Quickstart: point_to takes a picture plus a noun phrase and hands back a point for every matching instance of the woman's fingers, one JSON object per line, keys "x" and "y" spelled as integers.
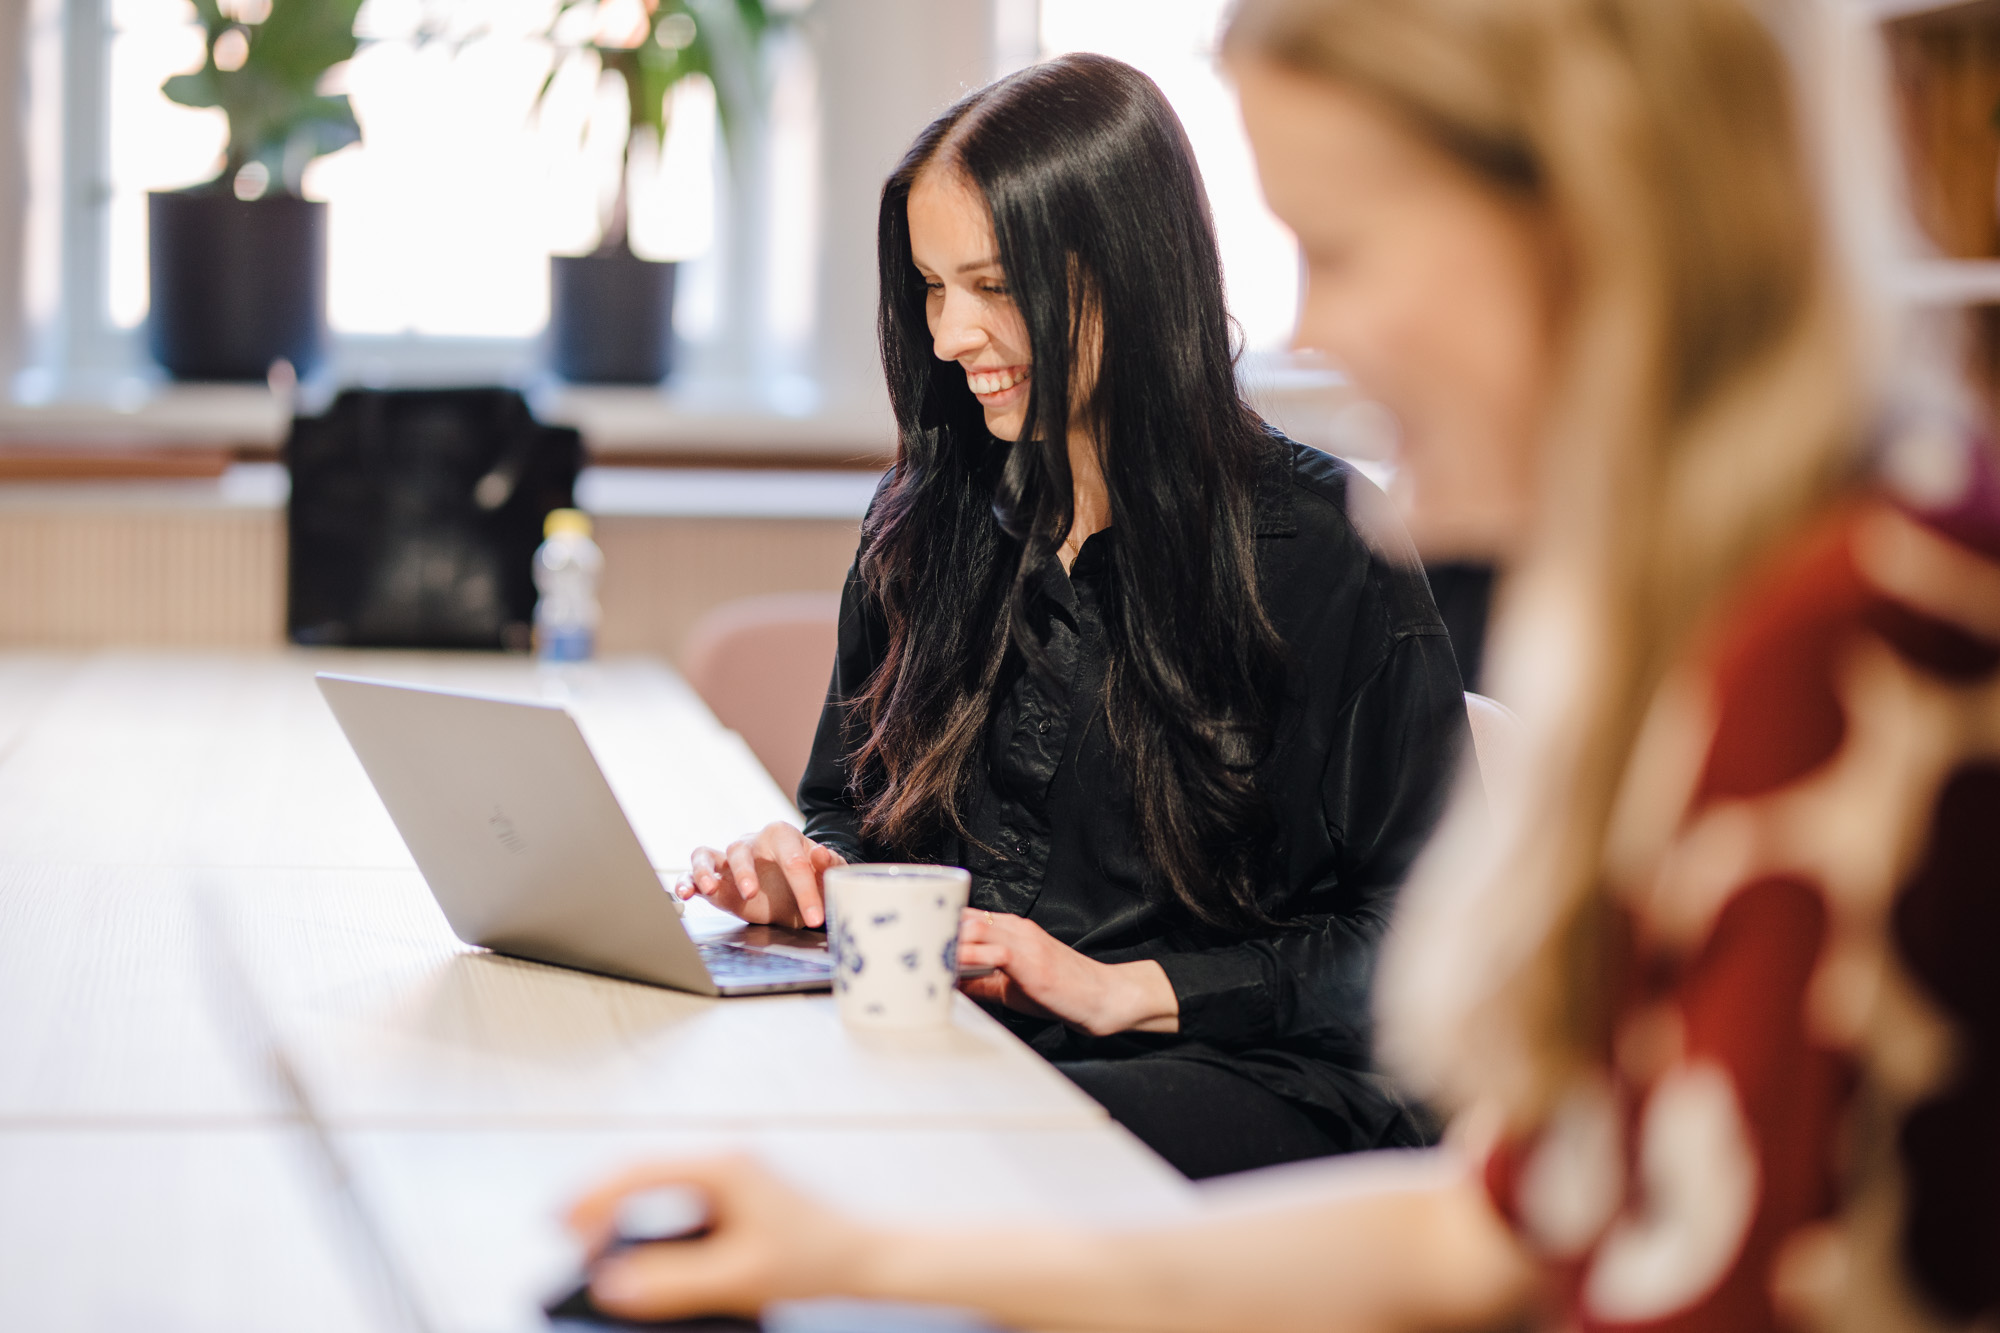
{"x": 805, "y": 891}
{"x": 807, "y": 887}
{"x": 590, "y": 1217}
{"x": 708, "y": 875}
{"x": 660, "y": 1282}
{"x": 743, "y": 869}
{"x": 1001, "y": 989}
{"x": 700, "y": 877}
{"x": 790, "y": 851}
{"x": 767, "y": 877}
{"x": 977, "y": 926}
{"x": 718, "y": 888}
{"x": 1007, "y": 943}
{"x": 992, "y": 986}
{"x": 701, "y": 869}
{"x": 984, "y": 955}
{"x": 764, "y": 1241}
{"x": 1038, "y": 974}
{"x": 674, "y": 1278}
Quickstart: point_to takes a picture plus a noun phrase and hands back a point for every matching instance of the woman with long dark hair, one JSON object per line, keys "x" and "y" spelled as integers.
{"x": 1714, "y": 1000}
{"x": 1170, "y": 686}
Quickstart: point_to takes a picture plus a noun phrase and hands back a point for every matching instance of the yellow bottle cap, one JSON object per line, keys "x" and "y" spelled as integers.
{"x": 566, "y": 523}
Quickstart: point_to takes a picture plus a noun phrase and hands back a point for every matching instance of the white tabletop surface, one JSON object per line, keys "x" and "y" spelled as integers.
{"x": 249, "y": 1079}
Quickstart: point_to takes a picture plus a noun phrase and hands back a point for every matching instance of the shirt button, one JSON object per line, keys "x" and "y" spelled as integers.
{"x": 1043, "y": 726}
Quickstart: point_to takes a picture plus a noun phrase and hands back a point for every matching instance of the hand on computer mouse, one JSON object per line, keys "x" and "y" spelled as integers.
{"x": 762, "y": 1241}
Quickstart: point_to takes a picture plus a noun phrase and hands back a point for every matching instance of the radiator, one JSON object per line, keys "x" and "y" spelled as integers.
{"x": 203, "y": 576}
{"x": 77, "y": 576}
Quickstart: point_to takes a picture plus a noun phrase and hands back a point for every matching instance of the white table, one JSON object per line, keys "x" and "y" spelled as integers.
{"x": 248, "y": 1078}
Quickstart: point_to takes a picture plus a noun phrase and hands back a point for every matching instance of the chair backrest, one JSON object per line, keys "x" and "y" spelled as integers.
{"x": 415, "y": 514}
{"x": 762, "y": 665}
{"x": 1496, "y": 740}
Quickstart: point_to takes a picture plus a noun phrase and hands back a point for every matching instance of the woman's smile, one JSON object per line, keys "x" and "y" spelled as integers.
{"x": 997, "y": 387}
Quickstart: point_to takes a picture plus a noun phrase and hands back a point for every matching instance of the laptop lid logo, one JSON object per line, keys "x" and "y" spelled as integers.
{"x": 503, "y": 832}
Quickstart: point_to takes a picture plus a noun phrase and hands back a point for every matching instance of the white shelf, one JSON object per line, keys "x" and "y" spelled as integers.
{"x": 608, "y": 492}
{"x": 1884, "y": 11}
{"x": 1947, "y": 282}
{"x": 262, "y": 487}
{"x": 711, "y": 424}
{"x": 644, "y": 492}
{"x": 744, "y": 424}
{"x": 141, "y": 413}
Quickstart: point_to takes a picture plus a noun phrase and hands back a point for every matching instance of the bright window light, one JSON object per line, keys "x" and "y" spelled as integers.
{"x": 155, "y": 144}
{"x": 443, "y": 218}
{"x": 1174, "y": 42}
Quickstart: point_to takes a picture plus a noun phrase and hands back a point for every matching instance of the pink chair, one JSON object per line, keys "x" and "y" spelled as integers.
{"x": 762, "y": 664}
{"x": 1496, "y": 739}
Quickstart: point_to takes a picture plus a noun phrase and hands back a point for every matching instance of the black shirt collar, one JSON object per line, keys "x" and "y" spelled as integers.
{"x": 1275, "y": 517}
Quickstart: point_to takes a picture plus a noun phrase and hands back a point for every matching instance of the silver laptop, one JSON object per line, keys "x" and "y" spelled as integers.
{"x": 526, "y": 849}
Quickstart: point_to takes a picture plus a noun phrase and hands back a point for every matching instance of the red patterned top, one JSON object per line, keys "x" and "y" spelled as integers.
{"x": 1796, "y": 1119}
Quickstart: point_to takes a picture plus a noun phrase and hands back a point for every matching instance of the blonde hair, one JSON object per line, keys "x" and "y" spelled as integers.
{"x": 1706, "y": 410}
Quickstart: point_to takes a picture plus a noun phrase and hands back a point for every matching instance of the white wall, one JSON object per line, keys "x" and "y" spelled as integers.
{"x": 886, "y": 69}
{"x": 13, "y": 181}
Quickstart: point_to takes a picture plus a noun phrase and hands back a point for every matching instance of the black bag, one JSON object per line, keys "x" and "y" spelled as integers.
{"x": 415, "y": 515}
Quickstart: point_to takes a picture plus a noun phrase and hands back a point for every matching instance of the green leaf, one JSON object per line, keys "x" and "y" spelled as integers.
{"x": 658, "y": 71}
{"x": 193, "y": 89}
{"x": 727, "y": 49}
{"x": 276, "y": 114}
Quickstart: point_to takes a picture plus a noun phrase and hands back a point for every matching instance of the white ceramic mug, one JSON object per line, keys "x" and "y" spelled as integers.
{"x": 893, "y": 931}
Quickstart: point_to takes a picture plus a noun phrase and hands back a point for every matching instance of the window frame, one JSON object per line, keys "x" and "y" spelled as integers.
{"x": 82, "y": 353}
{"x": 78, "y": 377}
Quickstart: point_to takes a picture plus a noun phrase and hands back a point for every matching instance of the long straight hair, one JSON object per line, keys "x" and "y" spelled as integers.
{"x": 1104, "y": 235}
{"x": 1708, "y": 410}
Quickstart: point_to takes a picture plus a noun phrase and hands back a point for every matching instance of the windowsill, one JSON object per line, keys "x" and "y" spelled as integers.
{"x": 256, "y": 487}
{"x": 136, "y": 414}
{"x": 619, "y": 425}
{"x": 606, "y": 492}
{"x": 696, "y": 424}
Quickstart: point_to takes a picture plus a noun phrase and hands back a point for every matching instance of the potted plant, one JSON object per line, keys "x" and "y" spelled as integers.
{"x": 239, "y": 262}
{"x": 610, "y": 311}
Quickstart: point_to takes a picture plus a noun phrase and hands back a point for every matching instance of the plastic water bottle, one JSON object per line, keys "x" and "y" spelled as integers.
{"x": 566, "y": 570}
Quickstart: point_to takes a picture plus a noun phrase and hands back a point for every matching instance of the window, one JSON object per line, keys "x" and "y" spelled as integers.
{"x": 1174, "y": 42}
{"x": 443, "y": 218}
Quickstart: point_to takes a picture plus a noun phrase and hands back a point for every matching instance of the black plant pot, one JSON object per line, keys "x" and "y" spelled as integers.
{"x": 236, "y": 284}
{"x": 611, "y": 318}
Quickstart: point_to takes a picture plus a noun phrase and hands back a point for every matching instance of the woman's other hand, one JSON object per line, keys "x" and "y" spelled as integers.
{"x": 1039, "y": 974}
{"x": 765, "y": 1242}
{"x": 1409, "y": 1240}
{"x": 770, "y": 877}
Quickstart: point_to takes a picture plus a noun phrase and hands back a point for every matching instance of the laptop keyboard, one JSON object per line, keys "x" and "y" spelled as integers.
{"x": 735, "y": 961}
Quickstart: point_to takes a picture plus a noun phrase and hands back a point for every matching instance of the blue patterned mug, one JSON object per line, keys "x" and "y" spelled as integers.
{"x": 893, "y": 931}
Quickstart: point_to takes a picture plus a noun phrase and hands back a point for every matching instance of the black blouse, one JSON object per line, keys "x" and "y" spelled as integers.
{"x": 1366, "y": 746}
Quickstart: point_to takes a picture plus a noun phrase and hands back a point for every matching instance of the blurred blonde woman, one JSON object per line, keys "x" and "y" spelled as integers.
{"x": 1713, "y": 996}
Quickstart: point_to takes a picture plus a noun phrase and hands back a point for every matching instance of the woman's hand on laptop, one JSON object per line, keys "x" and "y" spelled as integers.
{"x": 770, "y": 877}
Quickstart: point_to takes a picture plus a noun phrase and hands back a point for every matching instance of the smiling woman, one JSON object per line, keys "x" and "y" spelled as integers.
{"x": 1168, "y": 685}
{"x": 1710, "y": 979}
{"x": 972, "y": 320}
